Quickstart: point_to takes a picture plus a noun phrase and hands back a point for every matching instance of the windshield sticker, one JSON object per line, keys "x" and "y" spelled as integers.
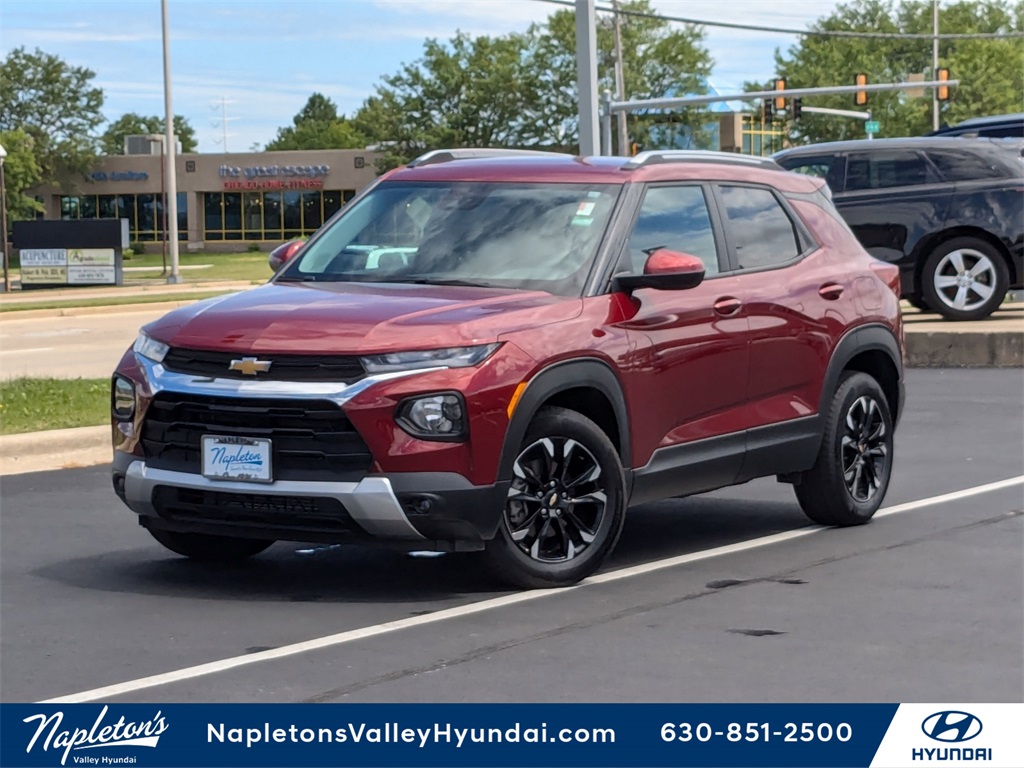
{"x": 582, "y": 221}
{"x": 586, "y": 209}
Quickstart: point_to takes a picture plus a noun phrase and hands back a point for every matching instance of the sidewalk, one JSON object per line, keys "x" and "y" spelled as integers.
{"x": 157, "y": 288}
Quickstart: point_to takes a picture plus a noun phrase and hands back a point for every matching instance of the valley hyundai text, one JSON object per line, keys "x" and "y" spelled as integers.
{"x": 503, "y": 351}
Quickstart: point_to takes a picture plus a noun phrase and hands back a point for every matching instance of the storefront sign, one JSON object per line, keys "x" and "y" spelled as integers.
{"x": 119, "y": 176}
{"x": 257, "y": 184}
{"x": 43, "y": 275}
{"x": 69, "y": 266}
{"x": 273, "y": 171}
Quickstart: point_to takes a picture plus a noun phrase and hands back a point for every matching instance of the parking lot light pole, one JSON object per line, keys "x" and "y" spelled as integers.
{"x": 170, "y": 156}
{"x": 3, "y": 222}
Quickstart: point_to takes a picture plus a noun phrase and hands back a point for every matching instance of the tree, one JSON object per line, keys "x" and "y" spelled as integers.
{"x": 991, "y": 71}
{"x": 132, "y": 124}
{"x": 21, "y": 171}
{"x": 318, "y": 126}
{"x": 57, "y": 106}
{"x": 659, "y": 61}
{"x": 520, "y": 90}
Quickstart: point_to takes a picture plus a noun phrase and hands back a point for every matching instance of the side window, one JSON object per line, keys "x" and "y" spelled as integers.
{"x": 676, "y": 218}
{"x": 759, "y": 228}
{"x": 827, "y": 167}
{"x": 964, "y": 166}
{"x": 888, "y": 169}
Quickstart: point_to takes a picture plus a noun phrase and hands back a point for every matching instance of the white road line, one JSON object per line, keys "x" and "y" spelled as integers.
{"x": 20, "y": 351}
{"x": 350, "y": 636}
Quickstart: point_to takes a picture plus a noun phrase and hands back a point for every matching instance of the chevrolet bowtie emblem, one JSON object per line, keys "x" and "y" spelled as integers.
{"x": 250, "y": 366}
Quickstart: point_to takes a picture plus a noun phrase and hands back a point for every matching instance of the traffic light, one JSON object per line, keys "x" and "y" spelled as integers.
{"x": 767, "y": 112}
{"x": 780, "y": 101}
{"x": 942, "y": 92}
{"x": 860, "y": 98}
{"x": 797, "y": 109}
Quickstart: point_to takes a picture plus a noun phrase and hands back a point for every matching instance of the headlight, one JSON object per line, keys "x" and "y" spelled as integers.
{"x": 434, "y": 417}
{"x": 453, "y": 357}
{"x": 122, "y": 398}
{"x": 150, "y": 348}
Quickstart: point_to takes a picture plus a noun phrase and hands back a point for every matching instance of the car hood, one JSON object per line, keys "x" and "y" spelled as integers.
{"x": 357, "y": 318}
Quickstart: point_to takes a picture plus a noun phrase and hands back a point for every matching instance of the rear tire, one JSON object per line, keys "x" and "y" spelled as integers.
{"x": 566, "y": 505}
{"x": 210, "y": 549}
{"x": 849, "y": 479}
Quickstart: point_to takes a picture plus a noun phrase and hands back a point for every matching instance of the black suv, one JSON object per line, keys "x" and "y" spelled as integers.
{"x": 948, "y": 211}
{"x": 994, "y": 127}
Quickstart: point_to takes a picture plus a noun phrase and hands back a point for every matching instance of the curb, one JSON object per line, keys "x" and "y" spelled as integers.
{"x": 106, "y": 309}
{"x": 54, "y": 449}
{"x": 948, "y": 349}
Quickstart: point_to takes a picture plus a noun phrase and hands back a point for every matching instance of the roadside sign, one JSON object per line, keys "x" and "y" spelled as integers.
{"x": 872, "y": 126}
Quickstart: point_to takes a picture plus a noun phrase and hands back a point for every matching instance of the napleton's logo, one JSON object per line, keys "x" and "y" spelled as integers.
{"x": 145, "y": 733}
{"x": 250, "y": 366}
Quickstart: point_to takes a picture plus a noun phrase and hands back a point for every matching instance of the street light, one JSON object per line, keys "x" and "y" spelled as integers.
{"x": 3, "y": 222}
{"x": 169, "y": 154}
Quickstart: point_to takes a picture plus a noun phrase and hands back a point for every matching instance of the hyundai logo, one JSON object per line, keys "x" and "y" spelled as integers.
{"x": 951, "y": 726}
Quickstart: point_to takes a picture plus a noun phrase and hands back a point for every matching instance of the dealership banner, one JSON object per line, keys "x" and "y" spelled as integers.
{"x": 793, "y": 735}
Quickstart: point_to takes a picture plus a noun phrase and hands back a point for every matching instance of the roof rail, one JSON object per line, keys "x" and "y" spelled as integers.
{"x": 447, "y": 155}
{"x": 656, "y": 156}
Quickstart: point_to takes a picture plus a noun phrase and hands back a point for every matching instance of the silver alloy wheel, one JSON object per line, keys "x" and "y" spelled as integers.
{"x": 557, "y": 500}
{"x": 965, "y": 279}
{"x": 864, "y": 448}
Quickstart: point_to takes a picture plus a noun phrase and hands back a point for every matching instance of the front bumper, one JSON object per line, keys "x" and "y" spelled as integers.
{"x": 427, "y": 510}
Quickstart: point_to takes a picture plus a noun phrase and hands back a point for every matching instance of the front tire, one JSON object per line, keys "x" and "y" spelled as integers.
{"x": 565, "y": 507}
{"x": 849, "y": 479}
{"x": 209, "y": 549}
{"x": 964, "y": 279}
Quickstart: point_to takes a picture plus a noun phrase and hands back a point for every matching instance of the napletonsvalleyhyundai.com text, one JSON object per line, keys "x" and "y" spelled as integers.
{"x": 394, "y": 733}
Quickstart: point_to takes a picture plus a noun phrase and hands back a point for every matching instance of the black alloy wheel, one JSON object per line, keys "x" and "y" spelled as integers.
{"x": 565, "y": 506}
{"x": 850, "y": 476}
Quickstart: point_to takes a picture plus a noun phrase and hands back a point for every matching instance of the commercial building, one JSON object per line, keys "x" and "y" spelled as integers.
{"x": 225, "y": 201}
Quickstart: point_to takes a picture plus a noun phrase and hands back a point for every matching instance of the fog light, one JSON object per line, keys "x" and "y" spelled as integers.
{"x": 434, "y": 417}
{"x": 122, "y": 398}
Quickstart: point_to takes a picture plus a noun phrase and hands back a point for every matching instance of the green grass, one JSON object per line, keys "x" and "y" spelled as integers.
{"x": 34, "y": 405}
{"x": 111, "y": 301}
{"x": 223, "y": 266}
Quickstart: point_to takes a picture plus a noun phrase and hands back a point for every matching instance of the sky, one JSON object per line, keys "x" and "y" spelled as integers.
{"x": 258, "y": 61}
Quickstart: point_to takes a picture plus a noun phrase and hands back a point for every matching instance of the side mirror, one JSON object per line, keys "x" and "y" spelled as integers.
{"x": 665, "y": 270}
{"x": 281, "y": 255}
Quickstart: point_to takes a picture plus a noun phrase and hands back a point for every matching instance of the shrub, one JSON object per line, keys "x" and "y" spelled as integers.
{"x": 137, "y": 248}
{"x": 253, "y": 248}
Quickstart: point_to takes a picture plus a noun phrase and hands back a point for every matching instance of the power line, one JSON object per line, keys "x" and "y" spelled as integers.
{"x": 808, "y": 32}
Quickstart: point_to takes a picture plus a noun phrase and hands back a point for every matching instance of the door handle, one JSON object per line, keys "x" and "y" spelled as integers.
{"x": 830, "y": 291}
{"x": 727, "y": 305}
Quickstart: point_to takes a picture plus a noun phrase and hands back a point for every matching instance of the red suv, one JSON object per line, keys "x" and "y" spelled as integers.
{"x": 503, "y": 351}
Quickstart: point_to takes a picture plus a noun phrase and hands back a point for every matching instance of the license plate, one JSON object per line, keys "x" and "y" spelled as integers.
{"x": 237, "y": 458}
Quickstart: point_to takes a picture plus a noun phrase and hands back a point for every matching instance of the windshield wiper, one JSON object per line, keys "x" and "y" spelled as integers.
{"x": 445, "y": 281}
{"x": 296, "y": 279}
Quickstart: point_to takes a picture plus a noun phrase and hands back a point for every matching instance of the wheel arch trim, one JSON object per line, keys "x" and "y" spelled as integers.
{"x": 863, "y": 338}
{"x": 590, "y": 373}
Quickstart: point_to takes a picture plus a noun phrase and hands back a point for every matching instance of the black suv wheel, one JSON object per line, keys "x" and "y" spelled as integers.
{"x": 964, "y": 279}
{"x": 849, "y": 479}
{"x": 565, "y": 507}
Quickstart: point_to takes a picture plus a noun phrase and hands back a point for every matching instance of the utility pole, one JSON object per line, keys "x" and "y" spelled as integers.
{"x": 170, "y": 155}
{"x": 586, "y": 75}
{"x": 620, "y": 81}
{"x": 935, "y": 63}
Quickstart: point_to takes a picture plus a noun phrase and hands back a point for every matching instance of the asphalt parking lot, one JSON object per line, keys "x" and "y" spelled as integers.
{"x": 723, "y": 597}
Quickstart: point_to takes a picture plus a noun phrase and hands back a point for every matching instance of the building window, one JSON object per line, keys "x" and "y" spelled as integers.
{"x": 269, "y": 216}
{"x": 145, "y": 213}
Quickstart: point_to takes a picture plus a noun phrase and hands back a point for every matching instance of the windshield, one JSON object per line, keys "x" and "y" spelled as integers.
{"x": 521, "y": 236}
